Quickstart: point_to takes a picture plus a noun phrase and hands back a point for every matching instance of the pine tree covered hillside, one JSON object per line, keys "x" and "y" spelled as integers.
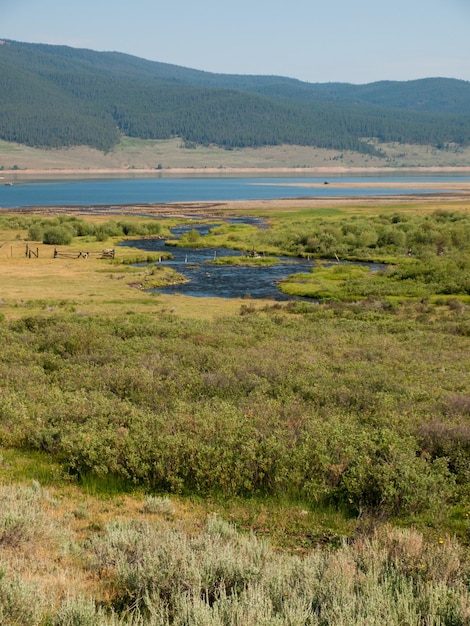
{"x": 57, "y": 96}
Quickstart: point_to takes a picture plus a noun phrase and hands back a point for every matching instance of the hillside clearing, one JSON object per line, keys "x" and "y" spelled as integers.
{"x": 135, "y": 155}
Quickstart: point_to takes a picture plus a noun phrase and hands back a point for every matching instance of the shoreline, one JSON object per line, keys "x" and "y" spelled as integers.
{"x": 214, "y": 209}
{"x": 451, "y": 192}
{"x": 17, "y": 174}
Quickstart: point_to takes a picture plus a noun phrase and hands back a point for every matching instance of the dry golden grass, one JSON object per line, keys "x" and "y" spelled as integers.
{"x": 132, "y": 155}
{"x": 46, "y": 280}
{"x": 88, "y": 286}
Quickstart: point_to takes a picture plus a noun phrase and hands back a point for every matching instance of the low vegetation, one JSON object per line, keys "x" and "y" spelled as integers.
{"x": 149, "y": 572}
{"x": 62, "y": 230}
{"x": 248, "y": 260}
{"x": 297, "y": 463}
{"x": 254, "y": 405}
{"x": 133, "y": 155}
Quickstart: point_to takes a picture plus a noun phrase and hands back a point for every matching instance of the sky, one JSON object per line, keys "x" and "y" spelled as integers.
{"x": 359, "y": 41}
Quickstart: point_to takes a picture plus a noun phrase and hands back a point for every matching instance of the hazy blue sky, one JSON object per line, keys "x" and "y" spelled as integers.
{"x": 336, "y": 40}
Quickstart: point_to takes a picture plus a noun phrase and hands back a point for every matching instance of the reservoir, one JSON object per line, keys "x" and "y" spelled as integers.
{"x": 160, "y": 190}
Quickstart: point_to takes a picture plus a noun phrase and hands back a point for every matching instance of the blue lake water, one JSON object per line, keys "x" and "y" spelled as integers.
{"x": 158, "y": 190}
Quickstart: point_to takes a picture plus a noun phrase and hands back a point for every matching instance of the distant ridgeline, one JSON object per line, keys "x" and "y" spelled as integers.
{"x": 56, "y": 96}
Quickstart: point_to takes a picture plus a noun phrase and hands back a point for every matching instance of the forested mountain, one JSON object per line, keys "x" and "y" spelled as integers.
{"x": 60, "y": 96}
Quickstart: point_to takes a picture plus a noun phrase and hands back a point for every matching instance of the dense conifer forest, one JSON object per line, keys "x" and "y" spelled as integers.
{"x": 57, "y": 96}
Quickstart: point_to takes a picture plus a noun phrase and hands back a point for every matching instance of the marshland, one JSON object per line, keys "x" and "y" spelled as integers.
{"x": 167, "y": 459}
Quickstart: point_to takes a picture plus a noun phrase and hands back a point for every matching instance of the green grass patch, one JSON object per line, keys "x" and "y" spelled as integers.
{"x": 22, "y": 466}
{"x": 249, "y": 261}
{"x": 142, "y": 259}
{"x": 107, "y": 485}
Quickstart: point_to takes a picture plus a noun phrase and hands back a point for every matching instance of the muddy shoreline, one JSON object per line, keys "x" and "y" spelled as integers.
{"x": 220, "y": 209}
{"x": 59, "y": 173}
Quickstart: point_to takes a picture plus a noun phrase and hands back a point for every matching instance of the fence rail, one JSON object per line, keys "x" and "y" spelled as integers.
{"x": 107, "y": 253}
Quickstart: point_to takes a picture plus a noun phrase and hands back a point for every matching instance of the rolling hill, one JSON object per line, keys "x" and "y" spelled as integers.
{"x": 56, "y": 96}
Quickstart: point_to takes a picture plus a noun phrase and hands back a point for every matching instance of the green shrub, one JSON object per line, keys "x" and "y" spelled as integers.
{"x": 57, "y": 236}
{"x": 83, "y": 229}
{"x": 77, "y": 611}
{"x": 36, "y": 232}
{"x": 20, "y": 604}
{"x": 387, "y": 477}
{"x": 450, "y": 441}
{"x": 160, "y": 505}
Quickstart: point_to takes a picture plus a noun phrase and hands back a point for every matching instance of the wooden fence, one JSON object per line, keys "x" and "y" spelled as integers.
{"x": 31, "y": 253}
{"x": 107, "y": 253}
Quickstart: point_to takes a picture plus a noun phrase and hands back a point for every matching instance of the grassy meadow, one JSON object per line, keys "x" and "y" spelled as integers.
{"x": 173, "y": 460}
{"x": 133, "y": 154}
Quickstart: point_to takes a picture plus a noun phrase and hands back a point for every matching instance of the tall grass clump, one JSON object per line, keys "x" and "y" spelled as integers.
{"x": 78, "y": 611}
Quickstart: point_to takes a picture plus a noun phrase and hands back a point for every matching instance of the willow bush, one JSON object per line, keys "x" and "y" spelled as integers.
{"x": 330, "y": 405}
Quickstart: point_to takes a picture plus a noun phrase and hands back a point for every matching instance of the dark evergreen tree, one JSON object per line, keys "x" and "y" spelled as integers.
{"x": 58, "y": 96}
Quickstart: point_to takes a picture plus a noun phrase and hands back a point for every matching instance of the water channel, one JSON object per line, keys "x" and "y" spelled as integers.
{"x": 222, "y": 281}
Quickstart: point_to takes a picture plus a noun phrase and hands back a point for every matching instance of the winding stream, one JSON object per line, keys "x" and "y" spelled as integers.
{"x": 222, "y": 281}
